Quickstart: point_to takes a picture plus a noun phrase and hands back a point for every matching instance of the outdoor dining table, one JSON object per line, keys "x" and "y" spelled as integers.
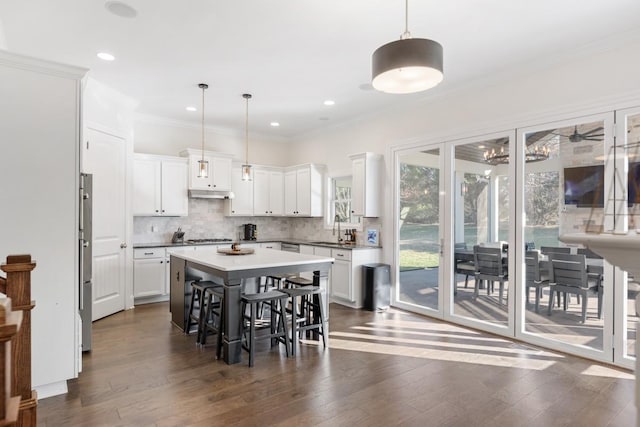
{"x": 232, "y": 270}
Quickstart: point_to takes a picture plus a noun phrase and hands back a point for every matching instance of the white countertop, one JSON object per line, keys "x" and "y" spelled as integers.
{"x": 261, "y": 258}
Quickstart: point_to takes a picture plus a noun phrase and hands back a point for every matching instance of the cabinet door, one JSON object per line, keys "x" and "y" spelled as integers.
{"x": 148, "y": 277}
{"x": 221, "y": 173}
{"x": 341, "y": 280}
{"x": 261, "y": 192}
{"x": 276, "y": 193}
{"x": 358, "y": 187}
{"x": 303, "y": 191}
{"x": 196, "y": 183}
{"x": 242, "y": 203}
{"x": 290, "y": 193}
{"x": 146, "y": 187}
{"x": 175, "y": 198}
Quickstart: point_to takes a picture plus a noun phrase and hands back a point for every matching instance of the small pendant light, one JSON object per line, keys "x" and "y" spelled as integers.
{"x": 246, "y": 168}
{"x": 407, "y": 65}
{"x": 203, "y": 165}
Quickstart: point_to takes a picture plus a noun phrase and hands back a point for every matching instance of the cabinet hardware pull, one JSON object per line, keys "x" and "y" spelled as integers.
{"x": 160, "y": 262}
{"x": 148, "y": 253}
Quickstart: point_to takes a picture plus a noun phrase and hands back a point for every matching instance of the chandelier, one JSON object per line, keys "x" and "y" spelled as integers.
{"x": 501, "y": 157}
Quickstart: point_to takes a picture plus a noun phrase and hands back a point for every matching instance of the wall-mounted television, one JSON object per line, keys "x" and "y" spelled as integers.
{"x": 584, "y": 186}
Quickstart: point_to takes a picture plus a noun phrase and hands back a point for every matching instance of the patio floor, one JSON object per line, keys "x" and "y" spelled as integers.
{"x": 420, "y": 287}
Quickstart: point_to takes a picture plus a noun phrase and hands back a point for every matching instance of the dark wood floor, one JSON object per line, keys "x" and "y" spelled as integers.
{"x": 381, "y": 369}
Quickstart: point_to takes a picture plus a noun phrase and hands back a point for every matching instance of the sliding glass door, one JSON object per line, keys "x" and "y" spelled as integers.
{"x": 419, "y": 231}
{"x": 481, "y": 291}
{"x": 566, "y": 290}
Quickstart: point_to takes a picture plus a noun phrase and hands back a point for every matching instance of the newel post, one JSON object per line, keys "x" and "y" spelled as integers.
{"x": 18, "y": 287}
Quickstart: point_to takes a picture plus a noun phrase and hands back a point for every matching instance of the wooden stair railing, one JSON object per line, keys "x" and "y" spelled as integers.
{"x": 9, "y": 326}
{"x": 17, "y": 287}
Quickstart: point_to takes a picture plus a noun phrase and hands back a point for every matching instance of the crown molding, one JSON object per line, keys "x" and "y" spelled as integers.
{"x": 41, "y": 66}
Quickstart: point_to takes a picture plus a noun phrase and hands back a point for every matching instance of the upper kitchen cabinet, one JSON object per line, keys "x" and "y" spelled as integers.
{"x": 303, "y": 191}
{"x": 242, "y": 202}
{"x": 219, "y": 177}
{"x": 268, "y": 192}
{"x": 160, "y": 186}
{"x": 366, "y": 190}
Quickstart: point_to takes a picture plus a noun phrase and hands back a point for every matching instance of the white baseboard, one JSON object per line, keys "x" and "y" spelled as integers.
{"x": 53, "y": 389}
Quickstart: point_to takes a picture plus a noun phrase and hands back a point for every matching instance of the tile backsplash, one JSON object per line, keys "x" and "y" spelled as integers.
{"x": 207, "y": 220}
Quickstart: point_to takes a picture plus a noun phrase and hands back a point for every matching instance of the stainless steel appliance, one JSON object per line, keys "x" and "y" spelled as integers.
{"x": 250, "y": 232}
{"x": 178, "y": 236}
{"x": 85, "y": 236}
{"x": 290, "y": 247}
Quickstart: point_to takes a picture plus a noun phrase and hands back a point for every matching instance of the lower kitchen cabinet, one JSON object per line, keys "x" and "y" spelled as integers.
{"x": 149, "y": 272}
{"x": 346, "y": 275}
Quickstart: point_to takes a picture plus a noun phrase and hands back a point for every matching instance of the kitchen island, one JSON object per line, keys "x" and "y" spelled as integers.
{"x": 233, "y": 270}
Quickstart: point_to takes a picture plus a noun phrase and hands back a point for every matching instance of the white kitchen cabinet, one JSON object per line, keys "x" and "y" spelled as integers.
{"x": 303, "y": 189}
{"x": 346, "y": 275}
{"x": 366, "y": 187}
{"x": 242, "y": 202}
{"x": 268, "y": 196}
{"x": 149, "y": 272}
{"x": 219, "y": 177}
{"x": 160, "y": 186}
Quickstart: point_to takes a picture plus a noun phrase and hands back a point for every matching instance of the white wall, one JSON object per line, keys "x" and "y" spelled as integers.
{"x": 39, "y": 165}
{"x": 154, "y": 135}
{"x": 593, "y": 81}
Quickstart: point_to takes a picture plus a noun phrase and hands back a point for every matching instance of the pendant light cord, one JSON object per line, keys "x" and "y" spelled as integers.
{"x": 406, "y": 34}
{"x": 246, "y": 131}
{"x": 203, "y": 86}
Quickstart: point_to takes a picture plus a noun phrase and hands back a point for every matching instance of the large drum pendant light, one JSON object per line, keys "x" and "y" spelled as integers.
{"x": 407, "y": 65}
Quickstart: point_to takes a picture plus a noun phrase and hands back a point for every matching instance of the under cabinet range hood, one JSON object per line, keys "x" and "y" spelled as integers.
{"x": 211, "y": 194}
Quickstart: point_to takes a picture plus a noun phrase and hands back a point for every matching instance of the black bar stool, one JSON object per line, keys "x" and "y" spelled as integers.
{"x": 297, "y": 281}
{"x": 197, "y": 306}
{"x": 214, "y": 316}
{"x": 311, "y": 313}
{"x": 278, "y": 324}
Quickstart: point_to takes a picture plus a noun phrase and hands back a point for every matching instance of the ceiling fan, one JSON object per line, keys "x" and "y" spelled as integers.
{"x": 590, "y": 135}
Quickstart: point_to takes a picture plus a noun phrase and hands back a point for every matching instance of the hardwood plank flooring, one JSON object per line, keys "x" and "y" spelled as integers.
{"x": 381, "y": 369}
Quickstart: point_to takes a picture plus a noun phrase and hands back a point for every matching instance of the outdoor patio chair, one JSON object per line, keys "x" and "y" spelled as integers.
{"x": 534, "y": 278}
{"x": 568, "y": 274}
{"x": 463, "y": 266}
{"x": 489, "y": 266}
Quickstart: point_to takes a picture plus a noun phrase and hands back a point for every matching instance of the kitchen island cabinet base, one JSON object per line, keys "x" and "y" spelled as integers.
{"x": 232, "y": 272}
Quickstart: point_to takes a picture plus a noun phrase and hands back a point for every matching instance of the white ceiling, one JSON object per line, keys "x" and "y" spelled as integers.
{"x": 294, "y": 54}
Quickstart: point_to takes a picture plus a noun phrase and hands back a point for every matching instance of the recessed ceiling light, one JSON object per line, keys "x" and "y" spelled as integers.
{"x": 329, "y": 102}
{"x": 275, "y": 124}
{"x": 120, "y": 9}
{"x": 481, "y": 147}
{"x": 190, "y": 108}
{"x": 106, "y": 56}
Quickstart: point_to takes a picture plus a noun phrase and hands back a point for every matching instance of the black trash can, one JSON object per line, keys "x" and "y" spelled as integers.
{"x": 376, "y": 283}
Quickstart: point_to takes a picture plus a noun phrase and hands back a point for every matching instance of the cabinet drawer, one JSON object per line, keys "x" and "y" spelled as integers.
{"x": 142, "y": 253}
{"x": 341, "y": 254}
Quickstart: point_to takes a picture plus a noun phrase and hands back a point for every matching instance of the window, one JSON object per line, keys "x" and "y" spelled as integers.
{"x": 340, "y": 201}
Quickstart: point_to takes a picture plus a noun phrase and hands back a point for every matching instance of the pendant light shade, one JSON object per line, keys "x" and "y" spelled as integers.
{"x": 203, "y": 165}
{"x": 407, "y": 65}
{"x": 246, "y": 168}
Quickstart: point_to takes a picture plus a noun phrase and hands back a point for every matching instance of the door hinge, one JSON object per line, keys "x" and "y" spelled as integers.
{"x": 87, "y": 144}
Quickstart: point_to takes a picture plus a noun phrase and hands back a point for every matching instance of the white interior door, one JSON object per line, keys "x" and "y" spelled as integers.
{"x": 105, "y": 158}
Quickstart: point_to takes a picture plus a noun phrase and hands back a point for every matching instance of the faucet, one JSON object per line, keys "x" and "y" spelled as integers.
{"x": 336, "y": 219}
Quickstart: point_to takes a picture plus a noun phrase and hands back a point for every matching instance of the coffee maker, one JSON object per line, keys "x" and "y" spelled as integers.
{"x": 250, "y": 232}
